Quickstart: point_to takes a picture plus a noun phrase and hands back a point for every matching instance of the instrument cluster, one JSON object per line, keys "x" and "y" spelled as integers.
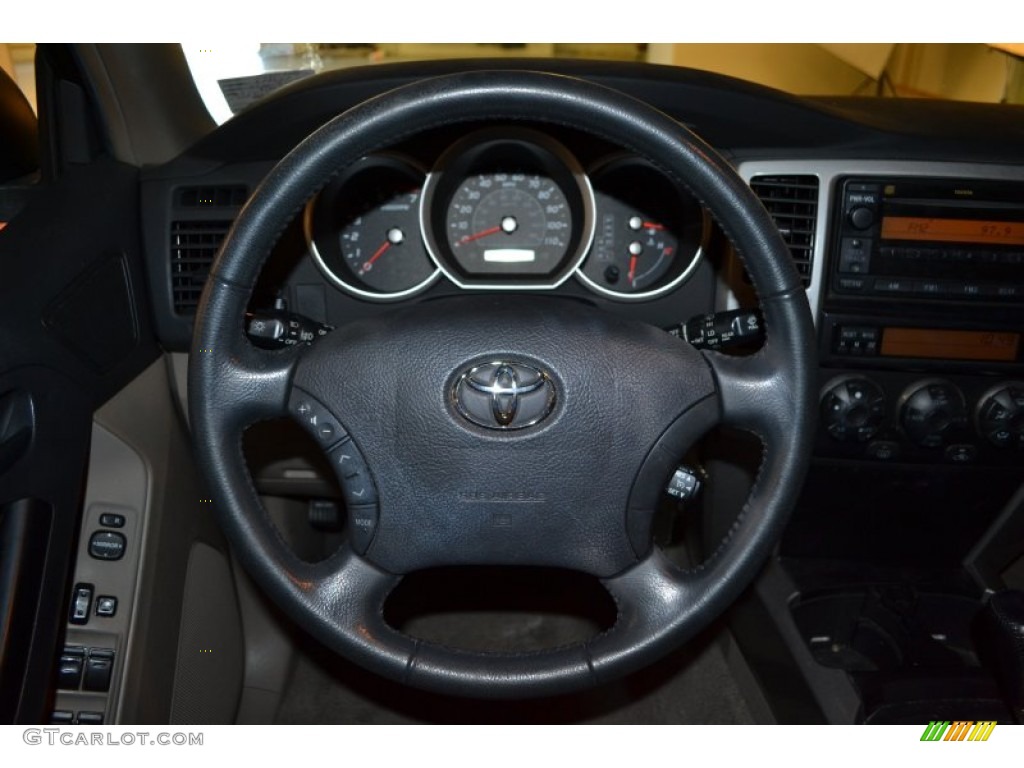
{"x": 505, "y": 209}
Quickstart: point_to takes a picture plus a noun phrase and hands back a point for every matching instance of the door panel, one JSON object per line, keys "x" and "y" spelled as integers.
{"x": 74, "y": 329}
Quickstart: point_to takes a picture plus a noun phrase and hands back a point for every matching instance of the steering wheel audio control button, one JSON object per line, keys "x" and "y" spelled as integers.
{"x": 316, "y": 419}
{"x": 354, "y": 475}
{"x": 347, "y": 460}
{"x": 362, "y": 524}
{"x": 360, "y": 491}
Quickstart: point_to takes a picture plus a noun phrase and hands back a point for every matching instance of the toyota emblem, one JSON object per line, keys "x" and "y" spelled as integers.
{"x": 504, "y": 395}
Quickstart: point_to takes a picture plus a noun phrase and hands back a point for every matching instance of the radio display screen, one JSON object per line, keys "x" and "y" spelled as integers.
{"x": 953, "y": 230}
{"x": 950, "y": 345}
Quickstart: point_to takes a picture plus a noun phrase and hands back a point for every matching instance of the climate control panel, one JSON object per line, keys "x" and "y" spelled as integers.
{"x": 904, "y": 416}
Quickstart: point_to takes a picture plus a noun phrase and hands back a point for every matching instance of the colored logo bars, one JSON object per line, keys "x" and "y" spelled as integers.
{"x": 960, "y": 730}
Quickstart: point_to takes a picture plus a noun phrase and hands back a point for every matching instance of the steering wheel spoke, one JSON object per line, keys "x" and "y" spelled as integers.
{"x": 749, "y": 392}
{"x": 242, "y": 384}
{"x": 769, "y": 393}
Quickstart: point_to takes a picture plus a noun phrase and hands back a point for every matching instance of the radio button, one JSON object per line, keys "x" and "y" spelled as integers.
{"x": 930, "y": 287}
{"x": 854, "y": 255}
{"x": 989, "y": 289}
{"x": 855, "y": 340}
{"x": 894, "y": 285}
{"x": 851, "y": 283}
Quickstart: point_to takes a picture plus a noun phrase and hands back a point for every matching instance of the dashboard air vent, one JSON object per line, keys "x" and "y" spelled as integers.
{"x": 193, "y": 246}
{"x": 223, "y": 196}
{"x": 792, "y": 202}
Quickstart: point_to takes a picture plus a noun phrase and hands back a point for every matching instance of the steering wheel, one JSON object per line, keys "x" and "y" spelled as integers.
{"x": 613, "y": 404}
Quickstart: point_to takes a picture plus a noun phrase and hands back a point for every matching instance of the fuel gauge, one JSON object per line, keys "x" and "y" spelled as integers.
{"x": 648, "y": 232}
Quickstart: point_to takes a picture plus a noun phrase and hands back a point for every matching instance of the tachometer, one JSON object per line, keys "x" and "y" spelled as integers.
{"x": 364, "y": 230}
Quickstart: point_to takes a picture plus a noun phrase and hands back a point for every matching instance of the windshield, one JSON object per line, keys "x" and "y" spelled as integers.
{"x": 232, "y": 76}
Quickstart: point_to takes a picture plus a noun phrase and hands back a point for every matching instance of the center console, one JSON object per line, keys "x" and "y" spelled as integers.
{"x": 918, "y": 294}
{"x": 921, "y": 439}
{"x": 921, "y": 330}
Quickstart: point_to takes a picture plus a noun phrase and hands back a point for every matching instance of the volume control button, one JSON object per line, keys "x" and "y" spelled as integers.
{"x": 861, "y": 217}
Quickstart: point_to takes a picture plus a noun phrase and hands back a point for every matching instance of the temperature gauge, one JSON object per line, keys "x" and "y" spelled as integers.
{"x": 648, "y": 232}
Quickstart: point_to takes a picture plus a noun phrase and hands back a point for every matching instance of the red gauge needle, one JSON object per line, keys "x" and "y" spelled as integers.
{"x": 478, "y": 235}
{"x": 632, "y": 268}
{"x": 376, "y": 255}
{"x": 652, "y": 225}
{"x": 395, "y": 237}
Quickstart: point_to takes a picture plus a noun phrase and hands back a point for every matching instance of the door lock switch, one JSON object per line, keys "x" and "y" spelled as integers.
{"x": 81, "y": 603}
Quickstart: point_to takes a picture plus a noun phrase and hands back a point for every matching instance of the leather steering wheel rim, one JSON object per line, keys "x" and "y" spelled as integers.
{"x": 340, "y": 600}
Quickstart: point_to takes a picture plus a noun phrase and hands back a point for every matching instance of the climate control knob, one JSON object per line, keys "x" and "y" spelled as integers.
{"x": 932, "y": 411}
{"x": 852, "y": 408}
{"x": 1000, "y": 415}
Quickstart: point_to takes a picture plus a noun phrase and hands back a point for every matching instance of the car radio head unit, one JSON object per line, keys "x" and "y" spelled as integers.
{"x": 930, "y": 239}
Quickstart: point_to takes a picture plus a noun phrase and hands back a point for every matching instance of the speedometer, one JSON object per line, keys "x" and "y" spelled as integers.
{"x": 507, "y": 209}
{"x": 509, "y": 223}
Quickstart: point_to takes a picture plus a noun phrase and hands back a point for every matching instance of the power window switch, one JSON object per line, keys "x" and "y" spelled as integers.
{"x": 90, "y": 718}
{"x": 69, "y": 669}
{"x": 62, "y": 717}
{"x": 98, "y": 668}
{"x": 81, "y": 603}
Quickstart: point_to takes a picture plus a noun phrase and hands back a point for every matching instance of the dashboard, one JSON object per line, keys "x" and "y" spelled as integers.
{"x": 904, "y": 221}
{"x": 909, "y": 241}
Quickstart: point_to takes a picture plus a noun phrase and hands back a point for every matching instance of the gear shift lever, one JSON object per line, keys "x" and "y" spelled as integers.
{"x": 1001, "y": 641}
